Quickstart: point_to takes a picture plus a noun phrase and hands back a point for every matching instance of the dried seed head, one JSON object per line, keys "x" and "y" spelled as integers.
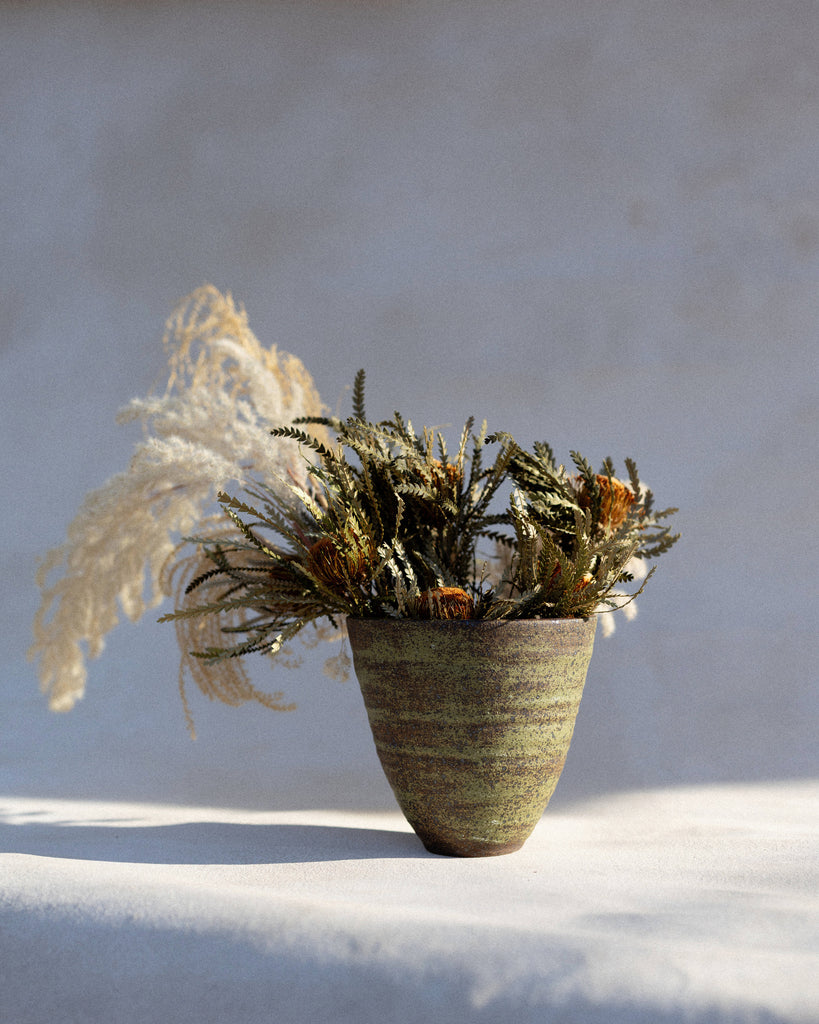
{"x": 581, "y": 584}
{"x": 446, "y": 476}
{"x": 616, "y": 500}
{"x": 443, "y": 603}
{"x": 336, "y": 569}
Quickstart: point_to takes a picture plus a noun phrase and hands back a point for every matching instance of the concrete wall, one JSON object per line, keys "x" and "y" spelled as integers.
{"x": 591, "y": 222}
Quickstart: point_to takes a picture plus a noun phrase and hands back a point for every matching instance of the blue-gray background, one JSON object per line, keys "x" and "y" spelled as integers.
{"x": 595, "y": 223}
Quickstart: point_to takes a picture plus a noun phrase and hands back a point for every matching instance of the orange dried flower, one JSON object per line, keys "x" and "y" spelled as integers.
{"x": 616, "y": 500}
{"x": 439, "y": 476}
{"x": 581, "y": 584}
{"x": 446, "y": 476}
{"x": 443, "y": 603}
{"x": 335, "y": 568}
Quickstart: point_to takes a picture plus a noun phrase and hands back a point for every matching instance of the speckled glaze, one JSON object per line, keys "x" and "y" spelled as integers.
{"x": 472, "y": 721}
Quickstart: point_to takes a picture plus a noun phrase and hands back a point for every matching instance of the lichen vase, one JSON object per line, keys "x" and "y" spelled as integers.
{"x": 472, "y": 721}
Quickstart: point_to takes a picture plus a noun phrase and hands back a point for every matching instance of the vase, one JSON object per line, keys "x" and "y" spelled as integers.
{"x": 472, "y": 721}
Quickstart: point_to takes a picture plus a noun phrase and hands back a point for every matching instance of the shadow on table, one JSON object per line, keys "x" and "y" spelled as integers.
{"x": 208, "y": 843}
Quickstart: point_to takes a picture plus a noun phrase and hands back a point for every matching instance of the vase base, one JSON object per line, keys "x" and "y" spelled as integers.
{"x": 468, "y": 847}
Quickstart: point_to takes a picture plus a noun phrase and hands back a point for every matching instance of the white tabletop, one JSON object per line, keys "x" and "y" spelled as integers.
{"x": 695, "y": 904}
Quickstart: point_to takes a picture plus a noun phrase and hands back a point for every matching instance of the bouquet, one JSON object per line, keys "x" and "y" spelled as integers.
{"x": 266, "y": 519}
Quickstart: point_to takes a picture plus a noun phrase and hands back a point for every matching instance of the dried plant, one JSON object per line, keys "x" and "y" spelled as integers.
{"x": 389, "y": 524}
{"x": 208, "y": 430}
{"x": 350, "y": 518}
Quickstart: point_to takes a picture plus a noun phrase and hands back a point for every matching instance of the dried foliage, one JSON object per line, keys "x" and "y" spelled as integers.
{"x": 208, "y": 430}
{"x": 388, "y": 523}
{"x": 348, "y": 517}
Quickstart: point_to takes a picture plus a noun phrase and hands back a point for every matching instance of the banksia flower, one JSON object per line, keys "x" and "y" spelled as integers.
{"x": 447, "y": 476}
{"x": 443, "y": 603}
{"x": 615, "y": 500}
{"x": 581, "y": 584}
{"x": 439, "y": 479}
{"x": 336, "y": 569}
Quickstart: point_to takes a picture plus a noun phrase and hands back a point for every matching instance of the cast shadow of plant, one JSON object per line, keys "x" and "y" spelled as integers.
{"x": 208, "y": 843}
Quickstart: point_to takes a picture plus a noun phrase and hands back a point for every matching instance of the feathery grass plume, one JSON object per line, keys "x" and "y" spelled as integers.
{"x": 209, "y": 429}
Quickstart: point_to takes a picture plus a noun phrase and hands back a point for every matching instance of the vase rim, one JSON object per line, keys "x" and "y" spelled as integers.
{"x": 569, "y": 622}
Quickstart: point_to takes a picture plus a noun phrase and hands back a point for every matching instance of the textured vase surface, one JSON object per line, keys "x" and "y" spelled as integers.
{"x": 472, "y": 721}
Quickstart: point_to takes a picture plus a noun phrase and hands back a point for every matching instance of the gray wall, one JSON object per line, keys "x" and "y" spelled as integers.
{"x": 591, "y": 222}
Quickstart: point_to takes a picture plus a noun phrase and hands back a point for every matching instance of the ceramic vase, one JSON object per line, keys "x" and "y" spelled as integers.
{"x": 472, "y": 721}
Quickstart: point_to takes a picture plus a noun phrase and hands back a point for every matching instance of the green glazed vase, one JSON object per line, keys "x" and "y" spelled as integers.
{"x": 472, "y": 721}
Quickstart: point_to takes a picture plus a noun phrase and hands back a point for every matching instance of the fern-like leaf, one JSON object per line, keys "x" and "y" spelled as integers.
{"x": 358, "y": 396}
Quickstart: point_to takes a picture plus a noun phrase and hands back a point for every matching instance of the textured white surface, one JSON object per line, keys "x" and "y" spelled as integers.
{"x": 693, "y": 904}
{"x": 590, "y": 221}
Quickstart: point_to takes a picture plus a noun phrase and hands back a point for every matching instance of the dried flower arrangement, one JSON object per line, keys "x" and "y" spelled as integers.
{"x": 354, "y": 518}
